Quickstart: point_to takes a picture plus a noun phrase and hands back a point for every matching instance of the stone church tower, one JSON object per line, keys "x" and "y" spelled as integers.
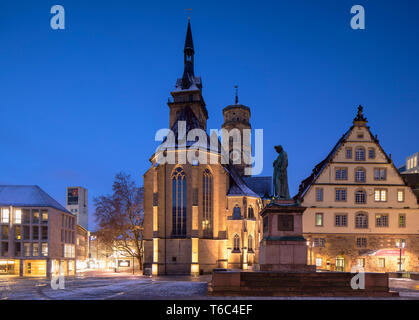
{"x": 236, "y": 121}
{"x": 201, "y": 215}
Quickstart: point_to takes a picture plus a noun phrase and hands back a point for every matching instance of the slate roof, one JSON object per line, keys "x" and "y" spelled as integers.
{"x": 260, "y": 185}
{"x": 27, "y": 196}
{"x": 318, "y": 169}
{"x": 237, "y": 185}
{"x": 192, "y": 122}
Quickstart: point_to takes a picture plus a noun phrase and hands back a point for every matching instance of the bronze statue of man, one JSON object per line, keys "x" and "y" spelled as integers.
{"x": 280, "y": 178}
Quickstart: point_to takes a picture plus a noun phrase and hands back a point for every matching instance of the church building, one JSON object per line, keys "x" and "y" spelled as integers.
{"x": 201, "y": 215}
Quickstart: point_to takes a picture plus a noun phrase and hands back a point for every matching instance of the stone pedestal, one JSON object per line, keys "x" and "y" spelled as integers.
{"x": 283, "y": 247}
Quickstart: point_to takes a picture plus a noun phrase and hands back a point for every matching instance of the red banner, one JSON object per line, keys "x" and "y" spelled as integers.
{"x": 388, "y": 252}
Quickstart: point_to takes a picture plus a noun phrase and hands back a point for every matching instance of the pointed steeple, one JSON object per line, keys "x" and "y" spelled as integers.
{"x": 188, "y": 73}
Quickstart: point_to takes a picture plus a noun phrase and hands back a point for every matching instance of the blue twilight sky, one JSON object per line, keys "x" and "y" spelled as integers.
{"x": 81, "y": 104}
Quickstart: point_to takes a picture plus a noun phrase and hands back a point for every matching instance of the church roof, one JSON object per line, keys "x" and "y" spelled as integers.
{"x": 238, "y": 186}
{"x": 260, "y": 185}
{"x": 27, "y": 196}
{"x": 187, "y": 117}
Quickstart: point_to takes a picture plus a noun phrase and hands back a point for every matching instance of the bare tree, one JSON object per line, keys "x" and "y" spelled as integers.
{"x": 120, "y": 217}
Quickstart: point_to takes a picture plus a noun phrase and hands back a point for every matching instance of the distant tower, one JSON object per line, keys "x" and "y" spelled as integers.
{"x": 77, "y": 204}
{"x": 237, "y": 116}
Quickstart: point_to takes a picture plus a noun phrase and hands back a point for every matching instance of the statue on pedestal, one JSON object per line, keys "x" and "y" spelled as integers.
{"x": 280, "y": 178}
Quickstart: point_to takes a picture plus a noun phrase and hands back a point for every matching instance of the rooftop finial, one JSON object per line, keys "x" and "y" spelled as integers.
{"x": 360, "y": 118}
{"x": 236, "y": 100}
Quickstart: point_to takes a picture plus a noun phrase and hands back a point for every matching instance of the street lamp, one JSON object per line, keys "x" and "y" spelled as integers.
{"x": 310, "y": 245}
{"x": 400, "y": 244}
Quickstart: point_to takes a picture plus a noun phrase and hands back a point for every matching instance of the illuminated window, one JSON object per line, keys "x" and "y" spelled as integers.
{"x": 360, "y": 154}
{"x": 361, "y": 262}
{"x": 380, "y": 195}
{"x": 360, "y": 196}
{"x": 207, "y": 202}
{"x": 18, "y": 232}
{"x": 18, "y": 216}
{"x": 402, "y": 221}
{"x": 35, "y": 216}
{"x": 44, "y": 247}
{"x": 5, "y": 215}
{"x": 400, "y": 195}
{"x": 179, "y": 202}
{"x": 361, "y": 221}
{"x": 319, "y": 262}
{"x": 319, "y": 219}
{"x": 360, "y": 175}
{"x": 44, "y": 216}
{"x": 319, "y": 194}
{"x": 381, "y": 262}
{"x": 381, "y": 220}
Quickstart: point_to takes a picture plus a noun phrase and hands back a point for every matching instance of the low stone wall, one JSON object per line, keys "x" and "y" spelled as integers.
{"x": 337, "y": 284}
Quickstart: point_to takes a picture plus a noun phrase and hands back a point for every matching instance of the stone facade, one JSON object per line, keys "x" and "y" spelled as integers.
{"x": 359, "y": 208}
{"x": 198, "y": 215}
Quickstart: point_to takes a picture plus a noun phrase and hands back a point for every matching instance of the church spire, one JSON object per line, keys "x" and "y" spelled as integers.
{"x": 188, "y": 73}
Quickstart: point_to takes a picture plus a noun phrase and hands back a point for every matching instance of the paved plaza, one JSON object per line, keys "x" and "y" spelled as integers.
{"x": 125, "y": 286}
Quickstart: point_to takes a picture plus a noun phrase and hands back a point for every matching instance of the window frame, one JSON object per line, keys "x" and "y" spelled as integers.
{"x": 319, "y": 214}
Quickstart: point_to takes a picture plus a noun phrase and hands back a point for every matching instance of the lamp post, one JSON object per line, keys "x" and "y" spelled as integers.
{"x": 310, "y": 245}
{"x": 400, "y": 244}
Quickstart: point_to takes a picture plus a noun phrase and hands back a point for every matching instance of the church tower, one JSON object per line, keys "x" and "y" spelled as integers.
{"x": 236, "y": 119}
{"x": 188, "y": 89}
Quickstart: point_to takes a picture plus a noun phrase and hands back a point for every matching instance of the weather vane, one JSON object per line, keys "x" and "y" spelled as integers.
{"x": 236, "y": 87}
{"x": 189, "y": 13}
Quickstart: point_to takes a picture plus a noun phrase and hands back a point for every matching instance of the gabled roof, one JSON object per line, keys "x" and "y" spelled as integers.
{"x": 27, "y": 196}
{"x": 318, "y": 169}
{"x": 359, "y": 120}
{"x": 237, "y": 185}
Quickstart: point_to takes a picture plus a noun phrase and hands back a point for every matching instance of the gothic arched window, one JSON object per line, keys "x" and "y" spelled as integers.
{"x": 250, "y": 213}
{"x": 361, "y": 221}
{"x": 178, "y": 202}
{"x": 250, "y": 243}
{"x": 207, "y": 202}
{"x": 236, "y": 245}
{"x": 236, "y": 212}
